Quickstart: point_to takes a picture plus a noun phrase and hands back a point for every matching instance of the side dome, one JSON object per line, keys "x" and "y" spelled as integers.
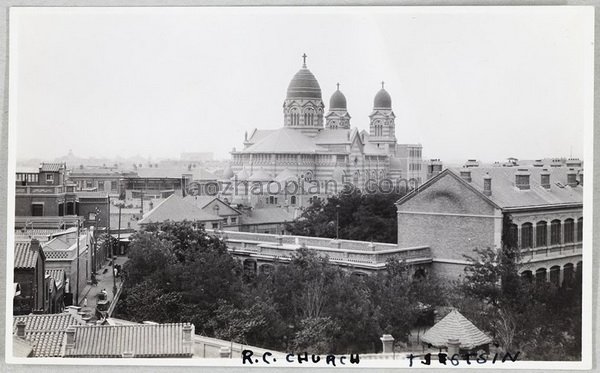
{"x": 304, "y": 85}
{"x": 383, "y": 100}
{"x": 337, "y": 101}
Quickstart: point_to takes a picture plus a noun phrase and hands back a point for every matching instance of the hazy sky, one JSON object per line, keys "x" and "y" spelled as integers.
{"x": 483, "y": 83}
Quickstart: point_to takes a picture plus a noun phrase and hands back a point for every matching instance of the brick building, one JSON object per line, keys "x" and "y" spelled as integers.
{"x": 461, "y": 209}
{"x": 30, "y": 279}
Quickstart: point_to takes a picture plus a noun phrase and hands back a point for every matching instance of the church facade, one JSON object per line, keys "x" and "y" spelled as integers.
{"x": 318, "y": 151}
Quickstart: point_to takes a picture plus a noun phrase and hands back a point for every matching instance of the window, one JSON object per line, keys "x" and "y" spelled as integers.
{"x": 113, "y": 185}
{"x": 233, "y": 220}
{"x": 89, "y": 184}
{"x": 49, "y": 178}
{"x": 215, "y": 225}
{"x": 569, "y": 228}
{"x": 37, "y": 209}
{"x": 293, "y": 200}
{"x": 101, "y": 186}
{"x": 61, "y": 209}
{"x": 526, "y": 235}
{"x": 271, "y": 200}
{"x": 512, "y": 236}
{"x": 541, "y": 232}
{"x": 70, "y": 210}
{"x": 555, "y": 232}
{"x": 580, "y": 230}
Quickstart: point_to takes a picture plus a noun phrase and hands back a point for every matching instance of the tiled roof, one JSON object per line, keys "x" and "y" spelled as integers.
{"x": 25, "y": 257}
{"x": 505, "y": 194}
{"x": 51, "y": 167}
{"x": 198, "y": 173}
{"x": 45, "y": 333}
{"x": 143, "y": 341}
{"x": 175, "y": 208}
{"x": 58, "y": 275}
{"x": 37, "y": 232}
{"x": 267, "y": 216}
{"x": 455, "y": 326}
{"x": 285, "y": 140}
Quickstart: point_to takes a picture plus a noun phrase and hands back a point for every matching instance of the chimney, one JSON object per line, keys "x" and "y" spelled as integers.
{"x": 581, "y": 177}
{"x": 572, "y": 178}
{"x": 74, "y": 311}
{"x": 35, "y": 245}
{"x": 70, "y": 332}
{"x": 453, "y": 347}
{"x": 127, "y": 354}
{"x": 188, "y": 330}
{"x": 545, "y": 178}
{"x": 466, "y": 175}
{"x": 388, "y": 343}
{"x": 21, "y": 329}
{"x": 522, "y": 179}
{"x": 487, "y": 184}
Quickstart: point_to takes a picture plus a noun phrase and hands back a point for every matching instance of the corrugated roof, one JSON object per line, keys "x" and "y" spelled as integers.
{"x": 455, "y": 326}
{"x": 45, "y": 333}
{"x": 25, "y": 257}
{"x": 143, "y": 341}
{"x": 175, "y": 208}
{"x": 506, "y": 195}
{"x": 51, "y": 167}
{"x": 284, "y": 141}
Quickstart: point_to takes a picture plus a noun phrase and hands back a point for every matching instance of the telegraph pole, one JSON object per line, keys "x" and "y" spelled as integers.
{"x": 77, "y": 283}
{"x": 118, "y": 246}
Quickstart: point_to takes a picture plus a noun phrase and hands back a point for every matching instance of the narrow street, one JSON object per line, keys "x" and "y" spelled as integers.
{"x": 105, "y": 282}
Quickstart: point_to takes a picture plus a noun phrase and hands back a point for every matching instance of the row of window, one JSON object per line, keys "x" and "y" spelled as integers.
{"x": 569, "y": 230}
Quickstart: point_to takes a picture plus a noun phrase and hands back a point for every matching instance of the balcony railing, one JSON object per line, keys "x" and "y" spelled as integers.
{"x": 40, "y": 189}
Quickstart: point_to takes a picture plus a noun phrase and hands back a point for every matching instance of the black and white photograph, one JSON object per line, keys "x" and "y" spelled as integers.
{"x": 285, "y": 187}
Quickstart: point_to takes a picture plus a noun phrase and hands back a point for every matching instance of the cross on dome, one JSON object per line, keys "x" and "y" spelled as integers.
{"x": 304, "y": 60}
{"x": 338, "y": 86}
{"x": 382, "y": 83}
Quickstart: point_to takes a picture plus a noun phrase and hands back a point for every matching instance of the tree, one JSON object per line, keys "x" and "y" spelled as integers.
{"x": 366, "y": 217}
{"x": 537, "y": 318}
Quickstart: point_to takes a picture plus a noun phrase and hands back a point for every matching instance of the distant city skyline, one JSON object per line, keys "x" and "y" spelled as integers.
{"x": 156, "y": 83}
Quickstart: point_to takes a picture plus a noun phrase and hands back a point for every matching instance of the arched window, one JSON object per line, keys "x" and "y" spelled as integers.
{"x": 569, "y": 228}
{"x": 293, "y": 200}
{"x": 555, "y": 275}
{"x": 526, "y": 235}
{"x": 555, "y": 232}
{"x": 541, "y": 233}
{"x": 540, "y": 275}
{"x": 580, "y": 230}
{"x": 355, "y": 179}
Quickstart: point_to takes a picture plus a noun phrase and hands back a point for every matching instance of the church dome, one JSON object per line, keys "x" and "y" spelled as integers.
{"x": 383, "y": 100}
{"x": 304, "y": 85}
{"x": 337, "y": 101}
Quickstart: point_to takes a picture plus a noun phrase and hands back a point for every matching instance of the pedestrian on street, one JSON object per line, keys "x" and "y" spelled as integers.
{"x": 85, "y": 302}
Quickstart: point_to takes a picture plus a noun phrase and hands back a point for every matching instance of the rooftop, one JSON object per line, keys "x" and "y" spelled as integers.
{"x": 175, "y": 208}
{"x": 455, "y": 326}
{"x": 140, "y": 340}
{"x": 25, "y": 256}
{"x": 45, "y": 333}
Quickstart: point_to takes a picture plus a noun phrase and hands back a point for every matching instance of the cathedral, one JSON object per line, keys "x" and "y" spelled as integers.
{"x": 317, "y": 147}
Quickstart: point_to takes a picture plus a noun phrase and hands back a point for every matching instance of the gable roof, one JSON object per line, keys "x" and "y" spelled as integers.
{"x": 25, "y": 256}
{"x": 333, "y": 136}
{"x": 285, "y": 140}
{"x": 433, "y": 180}
{"x": 203, "y": 201}
{"x": 142, "y": 340}
{"x": 455, "y": 326}
{"x": 258, "y": 135}
{"x": 45, "y": 333}
{"x": 175, "y": 208}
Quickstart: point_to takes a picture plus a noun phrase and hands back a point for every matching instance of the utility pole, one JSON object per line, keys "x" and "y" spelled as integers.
{"x": 118, "y": 246}
{"x": 337, "y": 222}
{"x": 77, "y": 283}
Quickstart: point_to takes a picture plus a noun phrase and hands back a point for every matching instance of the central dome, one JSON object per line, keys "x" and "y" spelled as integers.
{"x": 382, "y": 100}
{"x": 337, "y": 101}
{"x": 304, "y": 85}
